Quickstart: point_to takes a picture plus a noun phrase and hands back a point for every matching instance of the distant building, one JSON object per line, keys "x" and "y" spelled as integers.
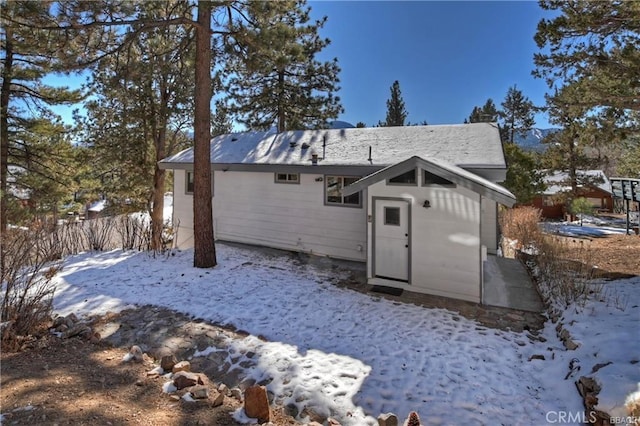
{"x": 598, "y": 192}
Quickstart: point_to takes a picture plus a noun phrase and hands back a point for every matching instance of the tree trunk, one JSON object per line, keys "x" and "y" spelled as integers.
{"x": 157, "y": 209}
{"x": 204, "y": 247}
{"x": 281, "y": 115}
{"x": 4, "y": 131}
{"x": 4, "y": 141}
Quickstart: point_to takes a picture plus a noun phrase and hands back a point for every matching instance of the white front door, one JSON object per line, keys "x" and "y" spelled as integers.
{"x": 391, "y": 239}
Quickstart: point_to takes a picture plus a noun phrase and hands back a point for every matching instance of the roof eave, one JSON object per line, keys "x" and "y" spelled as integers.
{"x": 404, "y": 166}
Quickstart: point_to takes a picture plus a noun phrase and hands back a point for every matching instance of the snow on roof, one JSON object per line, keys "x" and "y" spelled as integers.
{"x": 559, "y": 181}
{"x": 97, "y": 206}
{"x": 466, "y": 145}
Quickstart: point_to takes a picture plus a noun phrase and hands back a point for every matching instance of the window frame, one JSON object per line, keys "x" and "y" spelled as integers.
{"x": 445, "y": 185}
{"x": 415, "y": 171}
{"x": 186, "y": 182}
{"x": 341, "y": 204}
{"x": 388, "y": 209}
{"x": 287, "y": 180}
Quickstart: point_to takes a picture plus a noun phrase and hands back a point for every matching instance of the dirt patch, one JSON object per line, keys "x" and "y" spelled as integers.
{"x": 77, "y": 382}
{"x": 615, "y": 256}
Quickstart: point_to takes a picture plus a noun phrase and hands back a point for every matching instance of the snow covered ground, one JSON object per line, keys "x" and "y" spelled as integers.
{"x": 354, "y": 356}
{"x": 592, "y": 226}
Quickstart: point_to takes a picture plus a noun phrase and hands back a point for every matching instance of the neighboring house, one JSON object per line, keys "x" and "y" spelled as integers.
{"x": 418, "y": 203}
{"x": 94, "y": 210}
{"x": 551, "y": 202}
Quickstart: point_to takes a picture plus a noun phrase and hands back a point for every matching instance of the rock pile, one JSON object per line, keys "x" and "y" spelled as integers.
{"x": 70, "y": 326}
{"x": 196, "y": 387}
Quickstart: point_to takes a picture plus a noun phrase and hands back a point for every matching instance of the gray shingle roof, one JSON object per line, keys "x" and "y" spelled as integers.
{"x": 465, "y": 145}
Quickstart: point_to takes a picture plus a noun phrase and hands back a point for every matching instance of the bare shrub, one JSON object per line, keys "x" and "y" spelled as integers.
{"x": 134, "y": 232}
{"x": 72, "y": 238}
{"x": 563, "y": 266}
{"x": 27, "y": 287}
{"x": 521, "y": 225}
{"x": 170, "y": 234}
{"x": 564, "y": 279}
{"x": 99, "y": 233}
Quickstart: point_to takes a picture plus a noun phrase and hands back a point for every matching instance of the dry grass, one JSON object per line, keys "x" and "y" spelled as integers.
{"x": 564, "y": 267}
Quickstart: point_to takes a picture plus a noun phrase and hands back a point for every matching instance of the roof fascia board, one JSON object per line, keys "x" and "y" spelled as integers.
{"x": 344, "y": 170}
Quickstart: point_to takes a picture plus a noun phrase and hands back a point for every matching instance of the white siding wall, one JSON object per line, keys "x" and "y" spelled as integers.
{"x": 251, "y": 208}
{"x": 445, "y": 240}
{"x": 489, "y": 227}
{"x": 182, "y": 210}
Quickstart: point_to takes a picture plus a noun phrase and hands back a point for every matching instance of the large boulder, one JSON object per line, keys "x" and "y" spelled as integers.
{"x": 256, "y": 403}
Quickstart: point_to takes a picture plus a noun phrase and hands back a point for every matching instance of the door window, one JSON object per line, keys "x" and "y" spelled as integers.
{"x": 392, "y": 216}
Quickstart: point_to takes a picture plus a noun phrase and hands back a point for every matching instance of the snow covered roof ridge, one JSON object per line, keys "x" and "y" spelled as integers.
{"x": 476, "y": 144}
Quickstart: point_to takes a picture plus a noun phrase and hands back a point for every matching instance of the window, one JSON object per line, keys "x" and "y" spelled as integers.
{"x": 408, "y": 178}
{"x": 392, "y": 216}
{"x": 333, "y": 191}
{"x": 189, "y": 185}
{"x": 287, "y": 178}
{"x": 431, "y": 179}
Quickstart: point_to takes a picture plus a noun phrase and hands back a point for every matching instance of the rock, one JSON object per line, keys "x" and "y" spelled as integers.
{"x": 387, "y": 419}
{"x": 77, "y": 330}
{"x": 536, "y": 356}
{"x": 291, "y": 410}
{"x": 223, "y": 389}
{"x": 199, "y": 392}
{"x": 236, "y": 393}
{"x": 313, "y": 415}
{"x": 58, "y": 322}
{"x": 570, "y": 345}
{"x": 413, "y": 419}
{"x": 70, "y": 320}
{"x": 256, "y": 404}
{"x": 184, "y": 379}
{"x": 219, "y": 400}
{"x": 181, "y": 366}
{"x": 136, "y": 354}
{"x": 168, "y": 361}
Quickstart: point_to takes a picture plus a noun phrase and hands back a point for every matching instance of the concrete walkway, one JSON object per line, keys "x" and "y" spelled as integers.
{"x": 507, "y": 284}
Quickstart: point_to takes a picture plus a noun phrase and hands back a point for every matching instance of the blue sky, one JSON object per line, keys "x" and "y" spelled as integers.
{"x": 448, "y": 56}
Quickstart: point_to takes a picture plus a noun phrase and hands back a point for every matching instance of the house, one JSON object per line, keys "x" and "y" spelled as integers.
{"x": 418, "y": 204}
{"x": 594, "y": 186}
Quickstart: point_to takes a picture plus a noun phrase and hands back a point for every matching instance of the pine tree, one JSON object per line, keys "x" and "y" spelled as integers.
{"x": 278, "y": 79}
{"x": 516, "y": 115}
{"x": 28, "y": 54}
{"x": 396, "y": 112}
{"x": 524, "y": 178}
{"x": 593, "y": 45}
{"x": 137, "y": 115}
{"x": 488, "y": 113}
{"x": 102, "y": 28}
{"x": 568, "y": 148}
